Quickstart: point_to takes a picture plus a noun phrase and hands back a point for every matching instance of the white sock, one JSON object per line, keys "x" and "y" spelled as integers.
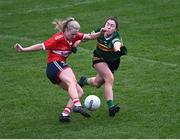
{"x": 76, "y": 102}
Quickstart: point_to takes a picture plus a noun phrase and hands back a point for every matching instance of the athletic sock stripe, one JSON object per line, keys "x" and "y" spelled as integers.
{"x": 76, "y": 99}
{"x": 68, "y": 107}
{"x": 77, "y": 102}
{"x": 67, "y": 110}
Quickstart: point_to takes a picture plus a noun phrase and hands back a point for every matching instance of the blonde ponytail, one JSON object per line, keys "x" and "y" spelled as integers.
{"x": 58, "y": 24}
{"x": 70, "y": 23}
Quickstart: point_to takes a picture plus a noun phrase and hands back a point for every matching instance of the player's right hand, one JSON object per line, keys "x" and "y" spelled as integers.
{"x": 124, "y": 50}
{"x": 18, "y": 47}
{"x": 103, "y": 30}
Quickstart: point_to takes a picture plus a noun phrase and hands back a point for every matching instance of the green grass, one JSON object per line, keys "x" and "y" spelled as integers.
{"x": 147, "y": 85}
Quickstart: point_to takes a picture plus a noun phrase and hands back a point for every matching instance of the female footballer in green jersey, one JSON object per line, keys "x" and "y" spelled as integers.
{"x": 106, "y": 59}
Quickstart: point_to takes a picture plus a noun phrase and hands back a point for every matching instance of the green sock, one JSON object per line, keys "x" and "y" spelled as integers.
{"x": 110, "y": 103}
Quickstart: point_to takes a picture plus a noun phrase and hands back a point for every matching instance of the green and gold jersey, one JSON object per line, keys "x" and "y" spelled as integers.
{"x": 105, "y": 47}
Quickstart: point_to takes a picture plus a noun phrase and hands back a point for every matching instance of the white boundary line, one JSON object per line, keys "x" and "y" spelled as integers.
{"x": 16, "y": 38}
{"x": 38, "y": 9}
{"x": 88, "y": 51}
{"x": 153, "y": 61}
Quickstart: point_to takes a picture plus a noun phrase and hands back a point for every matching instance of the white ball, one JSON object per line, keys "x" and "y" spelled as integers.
{"x": 92, "y": 102}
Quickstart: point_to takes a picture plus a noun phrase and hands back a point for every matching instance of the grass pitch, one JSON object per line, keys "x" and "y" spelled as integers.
{"x": 146, "y": 86}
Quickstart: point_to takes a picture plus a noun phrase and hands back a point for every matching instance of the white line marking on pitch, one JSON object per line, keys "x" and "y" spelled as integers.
{"x": 38, "y": 9}
{"x": 88, "y": 51}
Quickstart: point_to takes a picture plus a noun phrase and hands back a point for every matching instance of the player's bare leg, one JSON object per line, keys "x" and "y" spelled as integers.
{"x": 75, "y": 92}
{"x": 104, "y": 76}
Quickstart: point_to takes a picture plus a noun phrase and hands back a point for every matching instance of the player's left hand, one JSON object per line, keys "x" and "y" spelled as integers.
{"x": 74, "y": 49}
{"x": 123, "y": 50}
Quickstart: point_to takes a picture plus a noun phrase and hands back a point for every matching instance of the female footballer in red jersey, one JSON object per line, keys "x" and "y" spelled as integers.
{"x": 59, "y": 47}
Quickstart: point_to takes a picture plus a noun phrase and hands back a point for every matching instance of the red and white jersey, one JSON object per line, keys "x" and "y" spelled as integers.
{"x": 58, "y": 47}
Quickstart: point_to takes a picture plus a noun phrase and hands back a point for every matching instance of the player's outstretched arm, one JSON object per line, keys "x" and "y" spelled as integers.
{"x": 35, "y": 47}
{"x": 94, "y": 35}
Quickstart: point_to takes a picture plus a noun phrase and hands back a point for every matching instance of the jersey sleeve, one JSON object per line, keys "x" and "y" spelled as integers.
{"x": 116, "y": 38}
{"x": 80, "y": 36}
{"x": 50, "y": 43}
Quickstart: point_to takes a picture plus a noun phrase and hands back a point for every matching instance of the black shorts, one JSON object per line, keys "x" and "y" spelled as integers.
{"x": 54, "y": 69}
{"x": 113, "y": 65}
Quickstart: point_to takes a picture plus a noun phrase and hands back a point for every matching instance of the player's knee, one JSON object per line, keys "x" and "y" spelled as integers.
{"x": 71, "y": 81}
{"x": 109, "y": 79}
{"x": 97, "y": 84}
